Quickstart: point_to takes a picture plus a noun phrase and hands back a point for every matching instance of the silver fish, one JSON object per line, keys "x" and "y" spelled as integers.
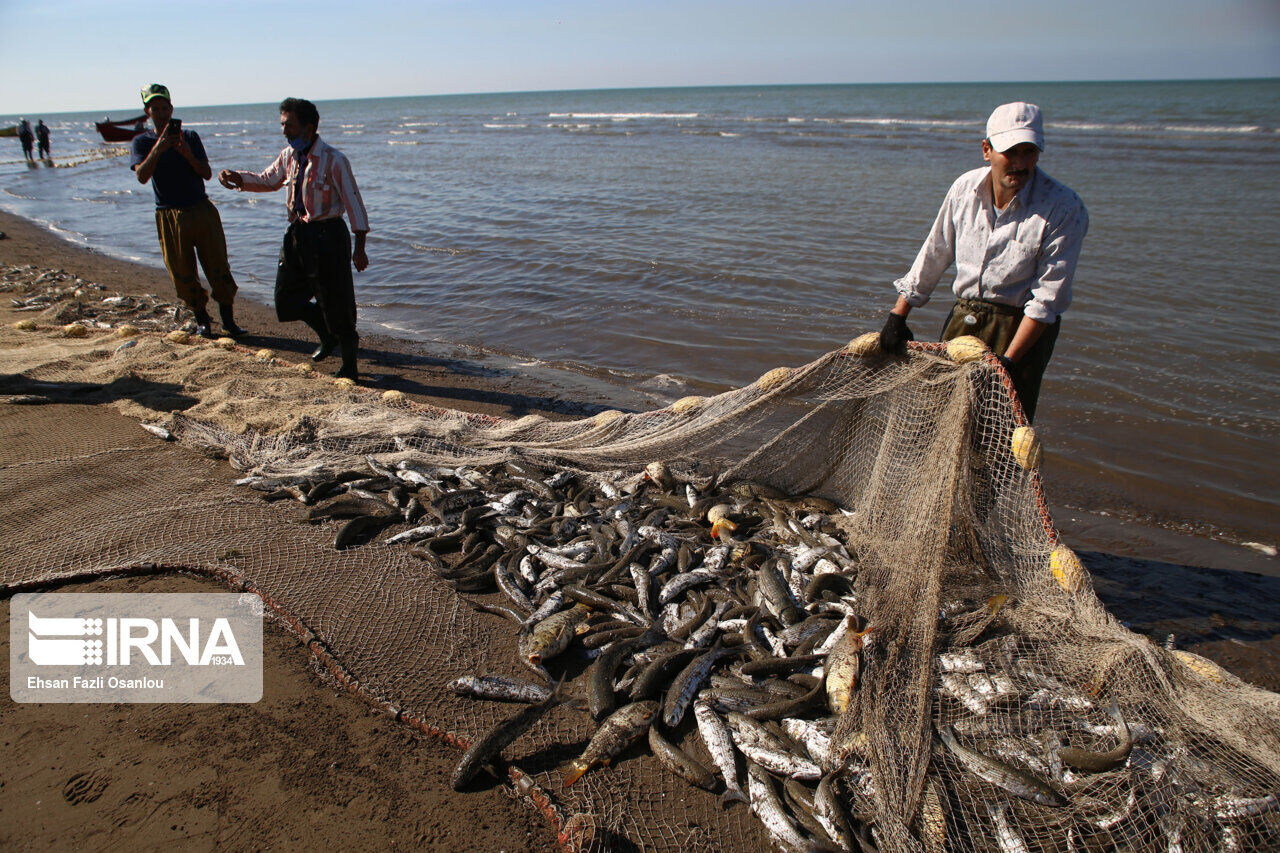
{"x": 1003, "y": 776}
{"x": 499, "y": 688}
{"x": 719, "y": 742}
{"x": 1008, "y": 839}
{"x": 769, "y": 809}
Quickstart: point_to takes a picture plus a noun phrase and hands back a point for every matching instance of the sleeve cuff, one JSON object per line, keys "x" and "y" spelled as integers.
{"x": 1036, "y": 311}
{"x": 914, "y": 299}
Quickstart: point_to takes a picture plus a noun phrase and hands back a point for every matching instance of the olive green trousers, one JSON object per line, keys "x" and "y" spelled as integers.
{"x": 996, "y": 324}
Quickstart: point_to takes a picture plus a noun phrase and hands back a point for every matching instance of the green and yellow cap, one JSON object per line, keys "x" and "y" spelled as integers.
{"x": 155, "y": 90}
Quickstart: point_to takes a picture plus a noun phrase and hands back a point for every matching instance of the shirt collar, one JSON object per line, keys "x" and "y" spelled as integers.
{"x": 1023, "y": 197}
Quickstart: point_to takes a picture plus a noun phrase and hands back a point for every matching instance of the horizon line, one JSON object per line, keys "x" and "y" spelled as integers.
{"x": 730, "y": 86}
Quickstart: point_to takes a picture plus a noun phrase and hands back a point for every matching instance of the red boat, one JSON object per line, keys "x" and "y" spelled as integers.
{"x": 121, "y": 131}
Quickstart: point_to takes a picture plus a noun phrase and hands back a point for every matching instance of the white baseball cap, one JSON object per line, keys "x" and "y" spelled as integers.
{"x": 1012, "y": 124}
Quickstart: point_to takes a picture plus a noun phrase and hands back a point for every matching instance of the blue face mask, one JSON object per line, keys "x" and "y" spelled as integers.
{"x": 299, "y": 144}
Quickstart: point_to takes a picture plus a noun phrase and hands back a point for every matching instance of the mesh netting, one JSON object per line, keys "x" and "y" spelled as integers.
{"x": 989, "y": 660}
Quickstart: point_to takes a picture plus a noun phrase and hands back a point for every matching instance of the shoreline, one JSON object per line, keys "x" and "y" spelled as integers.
{"x": 463, "y": 378}
{"x": 247, "y": 775}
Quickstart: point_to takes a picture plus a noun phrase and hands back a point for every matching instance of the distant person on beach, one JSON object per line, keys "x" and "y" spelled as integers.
{"x": 26, "y": 137}
{"x": 42, "y": 138}
{"x": 313, "y": 279}
{"x": 1014, "y": 235}
{"x": 188, "y": 224}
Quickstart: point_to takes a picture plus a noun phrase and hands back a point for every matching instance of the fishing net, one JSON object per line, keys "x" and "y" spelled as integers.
{"x": 986, "y": 635}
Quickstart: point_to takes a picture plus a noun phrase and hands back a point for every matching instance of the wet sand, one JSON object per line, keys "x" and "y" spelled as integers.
{"x": 309, "y": 766}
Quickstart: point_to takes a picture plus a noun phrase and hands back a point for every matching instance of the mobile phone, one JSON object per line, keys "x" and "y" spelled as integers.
{"x": 174, "y": 127}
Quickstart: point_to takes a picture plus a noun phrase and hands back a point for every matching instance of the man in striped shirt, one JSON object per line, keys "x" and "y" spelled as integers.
{"x": 313, "y": 279}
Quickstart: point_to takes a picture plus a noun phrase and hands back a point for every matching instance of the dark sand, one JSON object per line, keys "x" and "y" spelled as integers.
{"x": 310, "y": 767}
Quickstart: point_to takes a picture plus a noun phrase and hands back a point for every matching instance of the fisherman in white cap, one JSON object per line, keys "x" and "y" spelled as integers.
{"x": 1014, "y": 235}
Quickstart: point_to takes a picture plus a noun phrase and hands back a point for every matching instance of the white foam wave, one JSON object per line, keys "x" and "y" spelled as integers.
{"x": 622, "y": 116}
{"x": 506, "y": 126}
{"x": 404, "y": 141}
{"x": 421, "y": 124}
{"x": 1133, "y": 127}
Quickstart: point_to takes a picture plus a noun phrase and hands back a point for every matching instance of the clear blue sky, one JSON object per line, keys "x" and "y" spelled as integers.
{"x": 62, "y": 55}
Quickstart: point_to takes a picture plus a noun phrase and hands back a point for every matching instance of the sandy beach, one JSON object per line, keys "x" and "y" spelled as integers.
{"x": 311, "y": 766}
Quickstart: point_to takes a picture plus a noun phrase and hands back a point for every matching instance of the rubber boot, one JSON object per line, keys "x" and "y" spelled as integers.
{"x": 315, "y": 319}
{"x": 229, "y": 321}
{"x": 350, "y": 346}
{"x": 204, "y": 323}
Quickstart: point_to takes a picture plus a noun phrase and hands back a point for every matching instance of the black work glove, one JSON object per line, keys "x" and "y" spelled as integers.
{"x": 895, "y": 334}
{"x": 1006, "y": 363}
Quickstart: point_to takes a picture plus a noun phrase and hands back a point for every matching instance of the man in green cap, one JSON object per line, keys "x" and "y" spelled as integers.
{"x": 188, "y": 225}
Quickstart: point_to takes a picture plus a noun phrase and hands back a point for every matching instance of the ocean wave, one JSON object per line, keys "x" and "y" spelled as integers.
{"x": 421, "y": 124}
{"x": 1135, "y": 127}
{"x": 505, "y": 126}
{"x": 404, "y": 141}
{"x": 622, "y": 116}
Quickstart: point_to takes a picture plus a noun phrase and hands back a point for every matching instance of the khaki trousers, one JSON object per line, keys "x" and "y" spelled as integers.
{"x": 189, "y": 233}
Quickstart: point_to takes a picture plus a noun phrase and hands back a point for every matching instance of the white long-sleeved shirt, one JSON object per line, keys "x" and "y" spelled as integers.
{"x": 328, "y": 186}
{"x": 1025, "y": 256}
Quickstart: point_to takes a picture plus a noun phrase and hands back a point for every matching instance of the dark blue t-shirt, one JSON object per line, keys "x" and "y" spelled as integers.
{"x": 174, "y": 182}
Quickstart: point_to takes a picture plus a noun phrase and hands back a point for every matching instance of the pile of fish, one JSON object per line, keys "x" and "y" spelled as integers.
{"x": 62, "y": 297}
{"x": 727, "y": 615}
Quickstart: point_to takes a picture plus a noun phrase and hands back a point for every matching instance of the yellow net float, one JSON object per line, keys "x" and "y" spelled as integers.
{"x": 303, "y": 367}
{"x": 225, "y": 343}
{"x": 529, "y": 421}
{"x": 1200, "y": 666}
{"x": 74, "y": 330}
{"x": 1026, "y": 447}
{"x": 393, "y": 396}
{"x": 344, "y": 382}
{"x": 966, "y": 348}
{"x": 126, "y": 330}
{"x": 607, "y": 417}
{"x": 1066, "y": 568}
{"x": 864, "y": 345}
{"x": 25, "y": 325}
{"x": 774, "y": 378}
{"x": 264, "y": 354}
{"x": 177, "y": 336}
{"x": 687, "y": 405}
